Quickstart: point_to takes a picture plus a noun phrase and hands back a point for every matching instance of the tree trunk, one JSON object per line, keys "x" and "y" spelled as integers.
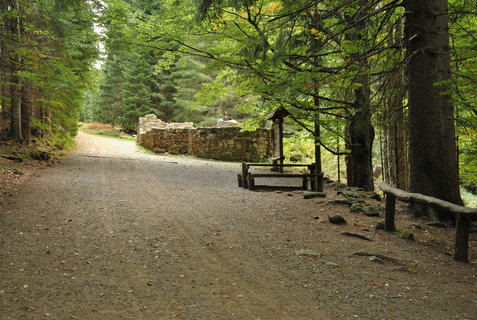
{"x": 360, "y": 130}
{"x": 16, "y": 111}
{"x": 26, "y": 111}
{"x": 432, "y": 147}
{"x": 361, "y": 135}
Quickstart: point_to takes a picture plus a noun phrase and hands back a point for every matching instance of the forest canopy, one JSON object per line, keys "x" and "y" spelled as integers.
{"x": 387, "y": 83}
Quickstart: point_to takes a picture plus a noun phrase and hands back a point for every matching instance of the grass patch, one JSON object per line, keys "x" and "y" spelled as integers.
{"x": 104, "y": 130}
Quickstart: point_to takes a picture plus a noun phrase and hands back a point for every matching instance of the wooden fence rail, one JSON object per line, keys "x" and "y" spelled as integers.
{"x": 464, "y": 215}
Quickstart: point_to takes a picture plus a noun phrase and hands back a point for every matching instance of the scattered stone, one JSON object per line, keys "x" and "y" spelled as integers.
{"x": 437, "y": 224}
{"x": 376, "y": 259}
{"x": 316, "y": 218}
{"x": 375, "y": 196}
{"x": 417, "y": 226}
{"x": 345, "y": 201}
{"x": 351, "y": 194}
{"x": 355, "y": 235}
{"x": 336, "y": 219}
{"x": 410, "y": 237}
{"x": 320, "y": 201}
{"x": 307, "y": 253}
{"x": 371, "y": 210}
{"x": 311, "y": 195}
{"x": 13, "y": 170}
{"x": 380, "y": 226}
{"x": 40, "y": 155}
{"x": 331, "y": 264}
{"x": 356, "y": 207}
{"x": 124, "y": 135}
{"x": 377, "y": 255}
{"x": 327, "y": 180}
{"x": 296, "y": 158}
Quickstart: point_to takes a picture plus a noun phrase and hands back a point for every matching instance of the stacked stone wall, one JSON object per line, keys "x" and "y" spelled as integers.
{"x": 227, "y": 144}
{"x": 173, "y": 141}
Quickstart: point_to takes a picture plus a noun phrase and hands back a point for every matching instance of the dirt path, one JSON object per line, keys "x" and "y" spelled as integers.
{"x": 113, "y": 233}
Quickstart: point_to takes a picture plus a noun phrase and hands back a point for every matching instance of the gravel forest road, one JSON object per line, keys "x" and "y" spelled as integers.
{"x": 114, "y": 233}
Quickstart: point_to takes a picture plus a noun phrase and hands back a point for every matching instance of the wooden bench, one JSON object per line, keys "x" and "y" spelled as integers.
{"x": 464, "y": 215}
{"x": 247, "y": 179}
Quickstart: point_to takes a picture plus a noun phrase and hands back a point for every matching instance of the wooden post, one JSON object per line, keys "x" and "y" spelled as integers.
{"x": 244, "y": 175}
{"x": 313, "y": 180}
{"x": 390, "y": 212}
{"x": 320, "y": 182}
{"x": 251, "y": 182}
{"x": 462, "y": 238}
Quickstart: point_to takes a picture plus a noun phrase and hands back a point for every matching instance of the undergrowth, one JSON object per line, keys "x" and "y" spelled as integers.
{"x": 470, "y": 200}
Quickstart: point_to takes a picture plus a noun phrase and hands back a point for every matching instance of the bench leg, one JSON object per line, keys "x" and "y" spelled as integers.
{"x": 244, "y": 175}
{"x": 251, "y": 182}
{"x": 240, "y": 181}
{"x": 305, "y": 183}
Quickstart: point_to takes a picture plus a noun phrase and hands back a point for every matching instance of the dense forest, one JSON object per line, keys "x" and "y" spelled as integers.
{"x": 388, "y": 83}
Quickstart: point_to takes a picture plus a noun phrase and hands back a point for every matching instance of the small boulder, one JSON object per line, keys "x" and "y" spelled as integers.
{"x": 356, "y": 207}
{"x": 380, "y": 226}
{"x": 371, "y": 210}
{"x": 40, "y": 155}
{"x": 311, "y": 195}
{"x": 336, "y": 219}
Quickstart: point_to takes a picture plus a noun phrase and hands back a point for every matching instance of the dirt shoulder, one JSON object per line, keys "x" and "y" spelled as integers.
{"x": 113, "y": 233}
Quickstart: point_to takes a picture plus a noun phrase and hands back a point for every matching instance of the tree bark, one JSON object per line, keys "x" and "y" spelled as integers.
{"x": 360, "y": 130}
{"x": 26, "y": 111}
{"x": 16, "y": 111}
{"x": 432, "y": 147}
{"x": 361, "y": 135}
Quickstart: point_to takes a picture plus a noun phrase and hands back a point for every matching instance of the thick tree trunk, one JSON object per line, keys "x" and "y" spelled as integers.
{"x": 432, "y": 147}
{"x": 361, "y": 135}
{"x": 360, "y": 130}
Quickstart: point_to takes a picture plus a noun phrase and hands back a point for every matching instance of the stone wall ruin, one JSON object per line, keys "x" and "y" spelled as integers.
{"x": 226, "y": 143}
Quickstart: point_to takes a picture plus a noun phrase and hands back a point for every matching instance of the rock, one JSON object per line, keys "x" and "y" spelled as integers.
{"x": 349, "y": 194}
{"x": 336, "y": 219}
{"x": 410, "y": 237}
{"x": 380, "y": 226}
{"x": 346, "y": 201}
{"x": 308, "y": 253}
{"x": 376, "y": 259}
{"x": 40, "y": 155}
{"x": 320, "y": 201}
{"x": 417, "y": 226}
{"x": 331, "y": 264}
{"x": 296, "y": 158}
{"x": 327, "y": 180}
{"x": 356, "y": 207}
{"x": 124, "y": 135}
{"x": 375, "y": 196}
{"x": 355, "y": 235}
{"x": 311, "y": 195}
{"x": 371, "y": 210}
{"x": 437, "y": 224}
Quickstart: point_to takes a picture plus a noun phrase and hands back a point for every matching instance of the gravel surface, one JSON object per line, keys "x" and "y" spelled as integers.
{"x": 114, "y": 233}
